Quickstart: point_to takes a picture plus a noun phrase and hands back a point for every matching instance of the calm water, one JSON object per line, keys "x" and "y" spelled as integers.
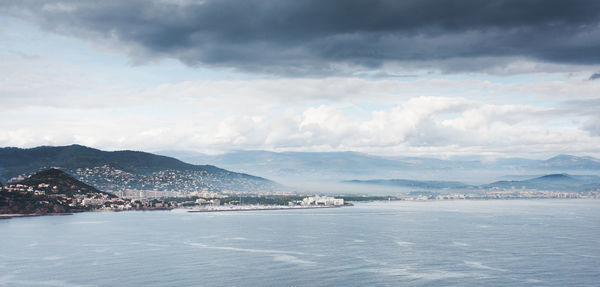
{"x": 463, "y": 243}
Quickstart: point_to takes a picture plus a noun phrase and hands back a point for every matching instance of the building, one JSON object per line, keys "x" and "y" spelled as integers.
{"x": 322, "y": 200}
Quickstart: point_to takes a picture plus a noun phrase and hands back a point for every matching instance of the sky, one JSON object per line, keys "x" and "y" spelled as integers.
{"x": 401, "y": 78}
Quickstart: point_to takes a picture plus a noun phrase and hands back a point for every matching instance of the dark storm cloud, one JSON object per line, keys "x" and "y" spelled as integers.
{"x": 316, "y": 36}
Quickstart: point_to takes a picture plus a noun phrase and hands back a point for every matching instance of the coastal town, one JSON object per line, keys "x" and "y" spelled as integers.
{"x": 169, "y": 182}
{"x": 499, "y": 194}
{"x": 54, "y": 191}
{"x": 48, "y": 196}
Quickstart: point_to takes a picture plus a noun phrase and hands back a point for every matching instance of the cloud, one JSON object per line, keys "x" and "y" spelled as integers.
{"x": 587, "y": 108}
{"x": 425, "y": 125}
{"x": 51, "y": 99}
{"x": 322, "y": 37}
{"x": 595, "y": 76}
{"x": 593, "y": 126}
{"x": 48, "y": 84}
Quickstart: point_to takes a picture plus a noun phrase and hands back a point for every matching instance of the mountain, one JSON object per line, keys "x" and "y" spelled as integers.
{"x": 552, "y": 182}
{"x": 48, "y": 191}
{"x": 126, "y": 170}
{"x": 569, "y": 162}
{"x": 320, "y": 167}
{"x": 301, "y": 167}
{"x": 563, "y": 177}
{"x": 60, "y": 182}
{"x": 428, "y": 184}
{"x": 15, "y": 161}
{"x": 274, "y": 163}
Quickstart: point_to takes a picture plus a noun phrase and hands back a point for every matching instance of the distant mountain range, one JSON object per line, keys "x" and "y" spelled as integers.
{"x": 294, "y": 162}
{"x": 424, "y": 184}
{"x": 328, "y": 166}
{"x": 126, "y": 170}
{"x": 551, "y": 182}
{"x": 307, "y": 171}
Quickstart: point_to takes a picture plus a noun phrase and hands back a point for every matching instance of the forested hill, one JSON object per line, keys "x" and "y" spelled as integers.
{"x": 60, "y": 181}
{"x": 48, "y": 191}
{"x": 15, "y": 161}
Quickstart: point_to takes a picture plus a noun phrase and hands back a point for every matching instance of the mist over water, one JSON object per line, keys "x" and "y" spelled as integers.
{"x": 448, "y": 243}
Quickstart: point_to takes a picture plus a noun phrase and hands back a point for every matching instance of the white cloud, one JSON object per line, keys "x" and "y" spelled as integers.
{"x": 417, "y": 125}
{"x": 593, "y": 126}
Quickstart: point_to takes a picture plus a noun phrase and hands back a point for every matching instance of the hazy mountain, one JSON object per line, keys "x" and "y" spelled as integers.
{"x": 121, "y": 170}
{"x": 424, "y": 184}
{"x": 297, "y": 165}
{"x": 569, "y": 162}
{"x": 551, "y": 182}
{"x": 336, "y": 166}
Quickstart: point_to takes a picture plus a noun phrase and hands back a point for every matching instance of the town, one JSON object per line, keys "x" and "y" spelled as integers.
{"x": 55, "y": 191}
{"x": 495, "y": 193}
{"x": 167, "y": 182}
{"x": 48, "y": 195}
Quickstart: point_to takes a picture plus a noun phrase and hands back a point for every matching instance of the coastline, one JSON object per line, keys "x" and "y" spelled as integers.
{"x": 263, "y": 208}
{"x": 16, "y": 215}
{"x": 266, "y": 208}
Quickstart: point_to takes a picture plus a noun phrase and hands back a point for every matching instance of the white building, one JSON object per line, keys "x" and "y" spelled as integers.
{"x": 92, "y": 201}
{"x": 322, "y": 200}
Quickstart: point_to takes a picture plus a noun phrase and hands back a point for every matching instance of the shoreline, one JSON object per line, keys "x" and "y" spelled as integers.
{"x": 22, "y": 215}
{"x": 18, "y": 215}
{"x": 262, "y": 208}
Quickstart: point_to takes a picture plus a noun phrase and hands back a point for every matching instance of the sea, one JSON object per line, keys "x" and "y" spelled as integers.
{"x": 398, "y": 243}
